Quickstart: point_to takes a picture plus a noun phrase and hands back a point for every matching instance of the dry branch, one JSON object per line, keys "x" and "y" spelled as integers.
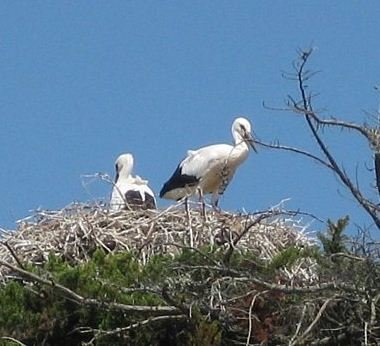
{"x": 247, "y": 301}
{"x": 99, "y": 332}
{"x": 74, "y": 233}
{"x": 304, "y": 106}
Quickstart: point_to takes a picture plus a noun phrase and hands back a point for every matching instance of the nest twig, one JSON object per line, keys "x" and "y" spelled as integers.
{"x": 77, "y": 230}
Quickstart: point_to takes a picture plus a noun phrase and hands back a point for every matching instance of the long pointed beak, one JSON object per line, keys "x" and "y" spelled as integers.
{"x": 250, "y": 141}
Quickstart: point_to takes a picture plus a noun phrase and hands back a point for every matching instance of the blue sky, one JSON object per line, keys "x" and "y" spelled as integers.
{"x": 82, "y": 82}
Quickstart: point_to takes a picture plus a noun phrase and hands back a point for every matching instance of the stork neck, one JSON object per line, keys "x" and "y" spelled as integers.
{"x": 242, "y": 147}
{"x": 124, "y": 174}
{"x": 240, "y": 151}
{"x": 239, "y": 141}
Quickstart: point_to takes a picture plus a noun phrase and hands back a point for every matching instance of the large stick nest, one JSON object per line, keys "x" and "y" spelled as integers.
{"x": 76, "y": 231}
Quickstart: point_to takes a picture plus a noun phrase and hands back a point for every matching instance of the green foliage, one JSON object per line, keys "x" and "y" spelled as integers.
{"x": 8, "y": 343}
{"x": 40, "y": 314}
{"x": 334, "y": 239}
{"x": 205, "y": 333}
{"x": 44, "y": 314}
{"x": 14, "y": 318}
{"x": 290, "y": 255}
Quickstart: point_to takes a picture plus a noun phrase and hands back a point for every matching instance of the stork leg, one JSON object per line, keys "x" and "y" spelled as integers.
{"x": 202, "y": 201}
{"x": 189, "y": 221}
{"x": 187, "y": 207}
{"x": 214, "y": 202}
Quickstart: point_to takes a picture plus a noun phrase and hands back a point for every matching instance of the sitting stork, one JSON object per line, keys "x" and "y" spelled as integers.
{"x": 130, "y": 192}
{"x": 209, "y": 170}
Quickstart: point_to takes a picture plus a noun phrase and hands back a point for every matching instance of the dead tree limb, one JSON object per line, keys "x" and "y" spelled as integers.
{"x": 302, "y": 338}
{"x": 297, "y": 151}
{"x": 99, "y": 332}
{"x": 241, "y": 276}
{"x": 304, "y": 107}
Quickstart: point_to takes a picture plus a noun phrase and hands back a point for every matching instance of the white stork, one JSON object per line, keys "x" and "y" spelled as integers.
{"x": 210, "y": 169}
{"x": 130, "y": 192}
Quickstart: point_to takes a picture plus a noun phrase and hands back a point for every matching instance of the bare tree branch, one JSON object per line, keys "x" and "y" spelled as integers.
{"x": 235, "y": 241}
{"x": 12, "y": 340}
{"x": 305, "y": 107}
{"x": 295, "y": 150}
{"x": 99, "y": 332}
{"x": 299, "y": 324}
{"x": 250, "y": 315}
{"x": 5, "y": 243}
{"x": 301, "y": 339}
{"x": 247, "y": 277}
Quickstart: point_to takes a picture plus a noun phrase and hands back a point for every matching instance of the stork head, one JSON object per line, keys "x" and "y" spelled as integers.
{"x": 124, "y": 166}
{"x": 241, "y": 131}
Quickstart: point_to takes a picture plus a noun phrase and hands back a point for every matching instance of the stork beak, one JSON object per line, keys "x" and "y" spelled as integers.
{"x": 250, "y": 141}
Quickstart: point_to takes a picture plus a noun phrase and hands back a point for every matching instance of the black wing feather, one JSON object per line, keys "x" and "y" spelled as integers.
{"x": 149, "y": 202}
{"x": 135, "y": 200}
{"x": 178, "y": 180}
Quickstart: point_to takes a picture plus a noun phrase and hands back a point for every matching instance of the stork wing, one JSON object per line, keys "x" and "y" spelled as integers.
{"x": 135, "y": 194}
{"x": 199, "y": 162}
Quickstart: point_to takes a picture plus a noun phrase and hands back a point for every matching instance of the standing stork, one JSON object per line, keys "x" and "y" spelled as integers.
{"x": 209, "y": 170}
{"x": 130, "y": 192}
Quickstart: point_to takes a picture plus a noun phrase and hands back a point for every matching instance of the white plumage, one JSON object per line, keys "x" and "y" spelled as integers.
{"x": 130, "y": 192}
{"x": 210, "y": 169}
